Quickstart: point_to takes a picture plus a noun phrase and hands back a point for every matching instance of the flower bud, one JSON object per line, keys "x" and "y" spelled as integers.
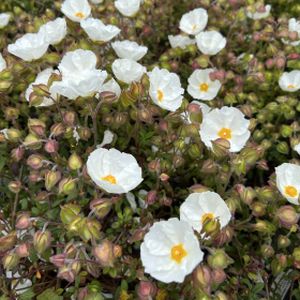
{"x": 104, "y": 253}
{"x": 10, "y": 260}
{"x": 278, "y": 264}
{"x": 51, "y": 146}
{"x": 69, "y": 118}
{"x": 23, "y": 221}
{"x": 17, "y": 153}
{"x": 69, "y": 212}
{"x": 247, "y": 194}
{"x": 108, "y": 97}
{"x": 90, "y": 230}
{"x": 101, "y": 207}
{"x": 220, "y": 147}
{"x": 151, "y": 197}
{"x": 221, "y": 296}
{"x": 42, "y": 240}
{"x": 32, "y": 141}
{"x": 218, "y": 276}
{"x": 146, "y": 290}
{"x": 14, "y": 186}
{"x": 223, "y": 237}
{"x": 283, "y": 242}
{"x": 264, "y": 227}
{"x": 296, "y": 257}
{"x": 219, "y": 259}
{"x": 8, "y": 241}
{"x": 66, "y": 273}
{"x": 202, "y": 278}
{"x": 57, "y": 129}
{"x": 287, "y": 216}
{"x": 51, "y": 179}
{"x": 23, "y": 250}
{"x": 267, "y": 251}
{"x": 258, "y": 209}
{"x": 35, "y": 161}
{"x": 36, "y": 126}
{"x": 211, "y": 227}
{"x": 13, "y": 135}
{"x": 74, "y": 162}
{"x": 58, "y": 260}
{"x": 67, "y": 186}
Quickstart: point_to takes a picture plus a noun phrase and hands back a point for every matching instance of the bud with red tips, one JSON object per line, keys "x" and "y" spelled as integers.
{"x": 51, "y": 146}
{"x": 42, "y": 240}
{"x": 146, "y": 290}
{"x": 287, "y": 216}
{"x": 104, "y": 253}
{"x": 101, "y": 207}
{"x": 58, "y": 260}
{"x": 23, "y": 250}
{"x": 23, "y": 221}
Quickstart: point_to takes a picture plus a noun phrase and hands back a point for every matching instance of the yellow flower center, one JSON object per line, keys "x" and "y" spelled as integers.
{"x": 109, "y": 178}
{"x": 79, "y": 15}
{"x": 204, "y": 87}
{"x": 178, "y": 253}
{"x": 194, "y": 26}
{"x": 290, "y": 191}
{"x": 225, "y": 133}
{"x": 160, "y": 95}
{"x": 291, "y": 86}
{"x": 207, "y": 217}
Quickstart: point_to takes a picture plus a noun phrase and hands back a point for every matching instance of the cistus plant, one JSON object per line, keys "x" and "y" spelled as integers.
{"x": 149, "y": 149}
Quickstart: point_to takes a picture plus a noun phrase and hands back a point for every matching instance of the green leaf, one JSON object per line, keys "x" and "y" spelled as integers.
{"x": 50, "y": 294}
{"x": 28, "y": 295}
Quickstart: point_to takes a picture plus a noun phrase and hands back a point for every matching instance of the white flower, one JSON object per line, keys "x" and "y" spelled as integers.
{"x": 210, "y": 42}
{"x": 42, "y": 78}
{"x": 165, "y": 89}
{"x": 130, "y": 50}
{"x": 80, "y": 78}
{"x": 114, "y": 171}
{"x": 297, "y": 148}
{"x": 228, "y": 123}
{"x": 3, "y": 64}
{"x": 288, "y": 181}
{"x": 260, "y": 15}
{"x": 96, "y": 1}
{"x": 170, "y": 251}
{"x": 4, "y": 19}
{"x": 204, "y": 109}
{"x": 290, "y": 81}
{"x": 128, "y": 70}
{"x": 54, "y": 31}
{"x": 201, "y": 86}
{"x": 181, "y": 41}
{"x": 194, "y": 21}
{"x": 76, "y": 10}
{"x": 128, "y": 8}
{"x": 18, "y": 283}
{"x": 294, "y": 26}
{"x": 98, "y": 31}
{"x": 199, "y": 208}
{"x": 111, "y": 86}
{"x": 30, "y": 46}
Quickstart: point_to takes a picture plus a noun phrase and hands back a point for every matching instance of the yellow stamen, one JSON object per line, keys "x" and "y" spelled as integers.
{"x": 79, "y": 15}
{"x": 109, "y": 178}
{"x": 178, "y": 253}
{"x": 290, "y": 191}
{"x": 194, "y": 26}
{"x": 225, "y": 133}
{"x": 160, "y": 95}
{"x": 207, "y": 217}
{"x": 291, "y": 86}
{"x": 204, "y": 87}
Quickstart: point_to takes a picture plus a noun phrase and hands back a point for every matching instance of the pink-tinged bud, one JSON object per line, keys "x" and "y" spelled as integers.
{"x": 193, "y": 108}
{"x": 224, "y": 236}
{"x": 83, "y": 293}
{"x": 163, "y": 125}
{"x": 287, "y": 216}
{"x": 17, "y": 153}
{"x": 23, "y": 221}
{"x": 104, "y": 253}
{"x": 57, "y": 129}
{"x": 166, "y": 201}
{"x": 42, "y": 240}
{"x": 218, "y": 276}
{"x": 15, "y": 186}
{"x": 10, "y": 260}
{"x": 8, "y": 241}
{"x": 294, "y": 56}
{"x": 293, "y": 35}
{"x": 146, "y": 290}
{"x": 137, "y": 235}
{"x": 58, "y": 260}
{"x": 202, "y": 278}
{"x": 69, "y": 118}
{"x": 35, "y": 161}
{"x": 154, "y": 166}
{"x": 280, "y": 62}
{"x": 247, "y": 194}
{"x": 51, "y": 146}
{"x": 34, "y": 176}
{"x": 37, "y": 127}
{"x": 261, "y": 9}
{"x": 108, "y": 97}
{"x": 66, "y": 273}
{"x": 151, "y": 197}
{"x": 23, "y": 250}
{"x": 218, "y": 75}
{"x": 117, "y": 250}
{"x": 164, "y": 177}
{"x": 270, "y": 63}
{"x": 220, "y": 147}
{"x": 256, "y": 36}
{"x": 101, "y": 207}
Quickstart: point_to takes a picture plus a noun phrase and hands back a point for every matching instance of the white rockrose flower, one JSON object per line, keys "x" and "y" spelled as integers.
{"x": 199, "y": 208}
{"x": 294, "y": 26}
{"x": 54, "y": 31}
{"x": 194, "y": 21}
{"x": 210, "y": 42}
{"x": 290, "y": 81}
{"x": 3, "y": 64}
{"x": 114, "y": 171}
{"x": 128, "y": 70}
{"x": 165, "y": 89}
{"x": 170, "y": 251}
{"x": 80, "y": 78}
{"x": 129, "y": 49}
{"x": 42, "y": 78}
{"x": 111, "y": 86}
{"x": 76, "y": 10}
{"x": 288, "y": 181}
{"x": 227, "y": 123}
{"x": 98, "y": 31}
{"x": 261, "y": 14}
{"x": 128, "y": 8}
{"x": 201, "y": 86}
{"x": 30, "y": 46}
{"x": 4, "y": 19}
{"x": 181, "y": 41}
